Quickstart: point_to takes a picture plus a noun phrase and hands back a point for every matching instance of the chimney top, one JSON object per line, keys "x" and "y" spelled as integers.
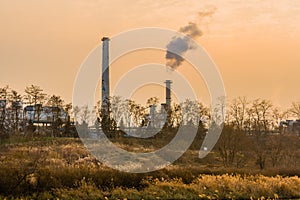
{"x": 105, "y": 38}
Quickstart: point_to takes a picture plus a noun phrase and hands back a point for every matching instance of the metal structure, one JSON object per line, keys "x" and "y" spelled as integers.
{"x": 157, "y": 119}
{"x": 105, "y": 74}
{"x": 168, "y": 93}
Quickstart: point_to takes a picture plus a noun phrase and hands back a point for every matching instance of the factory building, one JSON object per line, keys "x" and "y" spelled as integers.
{"x": 290, "y": 127}
{"x": 44, "y": 114}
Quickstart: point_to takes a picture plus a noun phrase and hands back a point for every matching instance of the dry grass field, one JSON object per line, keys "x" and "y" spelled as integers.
{"x": 61, "y": 168}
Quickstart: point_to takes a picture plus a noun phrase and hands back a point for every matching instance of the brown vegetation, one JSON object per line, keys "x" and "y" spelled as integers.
{"x": 254, "y": 157}
{"x": 43, "y": 168}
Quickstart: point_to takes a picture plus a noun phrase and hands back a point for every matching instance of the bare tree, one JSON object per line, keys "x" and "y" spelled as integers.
{"x": 35, "y": 96}
{"x": 218, "y": 115}
{"x": 85, "y": 114}
{"x": 152, "y": 101}
{"x": 3, "y": 103}
{"x": 176, "y": 115}
{"x": 295, "y": 109}
{"x": 190, "y": 112}
{"x": 4, "y": 92}
{"x": 76, "y": 111}
{"x": 203, "y": 110}
{"x": 16, "y": 106}
{"x": 238, "y": 112}
{"x": 56, "y": 105}
{"x": 127, "y": 114}
{"x": 68, "y": 108}
{"x": 260, "y": 118}
{"x": 118, "y": 106}
{"x": 275, "y": 147}
{"x": 231, "y": 146}
{"x": 56, "y": 102}
{"x": 261, "y": 115}
{"x": 277, "y": 116}
{"x": 83, "y": 125}
{"x": 137, "y": 112}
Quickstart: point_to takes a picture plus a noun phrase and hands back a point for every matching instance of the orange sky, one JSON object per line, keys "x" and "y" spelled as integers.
{"x": 255, "y": 44}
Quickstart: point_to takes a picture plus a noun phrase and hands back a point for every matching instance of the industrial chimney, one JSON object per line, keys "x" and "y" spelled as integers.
{"x": 105, "y": 73}
{"x": 168, "y": 93}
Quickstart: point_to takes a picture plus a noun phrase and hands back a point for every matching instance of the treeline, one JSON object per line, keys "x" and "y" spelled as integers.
{"x": 255, "y": 116}
{"x": 252, "y": 130}
{"x": 12, "y": 104}
{"x": 251, "y": 127}
{"x": 252, "y": 134}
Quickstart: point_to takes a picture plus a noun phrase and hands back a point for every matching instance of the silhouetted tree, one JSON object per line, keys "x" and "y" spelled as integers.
{"x": 176, "y": 115}
{"x": 56, "y": 102}
{"x": 295, "y": 109}
{"x": 76, "y": 111}
{"x": 118, "y": 109}
{"x": 190, "y": 112}
{"x": 16, "y": 106}
{"x": 68, "y": 109}
{"x": 85, "y": 114}
{"x": 260, "y": 121}
{"x": 3, "y": 105}
{"x": 230, "y": 144}
{"x": 238, "y": 113}
{"x": 152, "y": 101}
{"x": 136, "y": 112}
{"x": 34, "y": 96}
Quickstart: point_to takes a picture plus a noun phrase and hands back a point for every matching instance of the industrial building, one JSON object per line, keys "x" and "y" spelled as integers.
{"x": 290, "y": 127}
{"x": 45, "y": 115}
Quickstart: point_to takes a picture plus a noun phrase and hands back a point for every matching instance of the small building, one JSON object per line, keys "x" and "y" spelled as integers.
{"x": 44, "y": 114}
{"x": 290, "y": 126}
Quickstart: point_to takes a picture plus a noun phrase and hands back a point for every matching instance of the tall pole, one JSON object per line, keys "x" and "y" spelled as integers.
{"x": 105, "y": 74}
{"x": 168, "y": 93}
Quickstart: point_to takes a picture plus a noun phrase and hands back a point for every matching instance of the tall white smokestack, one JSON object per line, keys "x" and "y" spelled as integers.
{"x": 105, "y": 73}
{"x": 168, "y": 93}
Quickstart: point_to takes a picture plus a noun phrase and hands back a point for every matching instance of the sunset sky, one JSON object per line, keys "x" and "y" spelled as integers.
{"x": 255, "y": 44}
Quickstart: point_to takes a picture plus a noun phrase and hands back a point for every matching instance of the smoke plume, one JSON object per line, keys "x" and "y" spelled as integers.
{"x": 179, "y": 45}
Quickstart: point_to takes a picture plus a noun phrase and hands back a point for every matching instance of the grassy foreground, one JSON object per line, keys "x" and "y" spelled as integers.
{"x": 203, "y": 187}
{"x": 61, "y": 168}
